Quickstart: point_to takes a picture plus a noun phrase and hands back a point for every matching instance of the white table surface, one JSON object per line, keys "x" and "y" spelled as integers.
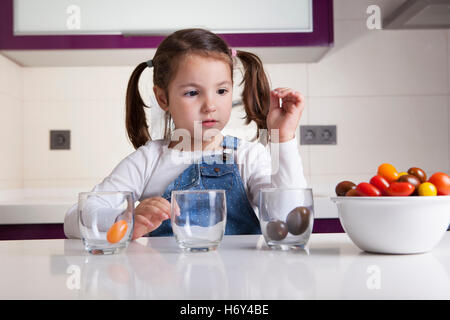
{"x": 242, "y": 268}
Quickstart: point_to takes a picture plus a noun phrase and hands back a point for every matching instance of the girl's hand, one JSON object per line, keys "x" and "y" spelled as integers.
{"x": 286, "y": 118}
{"x": 149, "y": 215}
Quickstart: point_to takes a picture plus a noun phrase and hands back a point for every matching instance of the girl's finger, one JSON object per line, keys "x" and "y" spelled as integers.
{"x": 151, "y": 212}
{"x": 176, "y": 208}
{"x": 153, "y": 200}
{"x": 140, "y": 219}
{"x": 294, "y": 98}
{"x": 285, "y": 93}
{"x": 274, "y": 100}
{"x": 163, "y": 201}
{"x": 160, "y": 205}
{"x": 142, "y": 226}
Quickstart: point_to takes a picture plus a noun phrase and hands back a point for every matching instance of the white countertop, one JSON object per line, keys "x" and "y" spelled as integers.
{"x": 242, "y": 268}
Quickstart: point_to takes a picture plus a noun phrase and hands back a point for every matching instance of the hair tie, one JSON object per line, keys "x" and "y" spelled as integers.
{"x": 150, "y": 63}
{"x": 233, "y": 52}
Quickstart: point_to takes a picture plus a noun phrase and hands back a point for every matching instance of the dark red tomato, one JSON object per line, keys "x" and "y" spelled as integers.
{"x": 365, "y": 189}
{"x": 400, "y": 189}
{"x": 381, "y": 183}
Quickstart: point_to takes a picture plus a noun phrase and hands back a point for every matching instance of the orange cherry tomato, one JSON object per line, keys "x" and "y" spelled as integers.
{"x": 388, "y": 172}
{"x": 441, "y": 181}
{"x": 117, "y": 231}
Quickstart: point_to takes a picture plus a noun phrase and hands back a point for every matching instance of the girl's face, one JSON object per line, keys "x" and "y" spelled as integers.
{"x": 201, "y": 95}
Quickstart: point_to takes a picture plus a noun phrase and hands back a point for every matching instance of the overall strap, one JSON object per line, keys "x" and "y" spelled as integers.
{"x": 230, "y": 142}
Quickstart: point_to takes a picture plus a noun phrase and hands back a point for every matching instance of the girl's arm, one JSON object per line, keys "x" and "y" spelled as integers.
{"x": 128, "y": 175}
{"x": 278, "y": 165}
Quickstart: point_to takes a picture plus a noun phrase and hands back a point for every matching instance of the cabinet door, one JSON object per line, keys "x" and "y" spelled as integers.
{"x": 110, "y": 24}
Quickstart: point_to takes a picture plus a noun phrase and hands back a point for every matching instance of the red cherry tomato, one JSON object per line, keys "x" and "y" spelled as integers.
{"x": 400, "y": 189}
{"x": 388, "y": 171}
{"x": 365, "y": 189}
{"x": 381, "y": 183}
{"x": 441, "y": 181}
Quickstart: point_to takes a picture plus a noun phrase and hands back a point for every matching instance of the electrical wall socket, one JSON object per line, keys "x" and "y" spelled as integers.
{"x": 318, "y": 135}
{"x": 59, "y": 139}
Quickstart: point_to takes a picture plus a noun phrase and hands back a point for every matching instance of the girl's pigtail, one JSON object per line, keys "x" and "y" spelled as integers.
{"x": 256, "y": 92}
{"x": 135, "y": 119}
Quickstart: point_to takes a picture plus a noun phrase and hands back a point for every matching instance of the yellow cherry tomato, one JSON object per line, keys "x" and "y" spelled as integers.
{"x": 402, "y": 174}
{"x": 427, "y": 189}
{"x": 117, "y": 231}
{"x": 388, "y": 172}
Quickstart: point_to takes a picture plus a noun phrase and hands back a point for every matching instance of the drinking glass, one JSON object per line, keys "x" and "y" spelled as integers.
{"x": 198, "y": 218}
{"x": 106, "y": 220}
{"x": 286, "y": 217}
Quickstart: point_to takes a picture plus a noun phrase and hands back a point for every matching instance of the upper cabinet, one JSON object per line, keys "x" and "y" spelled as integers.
{"x": 117, "y": 32}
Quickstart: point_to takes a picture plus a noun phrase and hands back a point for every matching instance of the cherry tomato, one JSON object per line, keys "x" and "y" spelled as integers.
{"x": 352, "y": 193}
{"x": 343, "y": 187}
{"x": 441, "y": 181}
{"x": 117, "y": 231}
{"x": 419, "y": 173}
{"x": 388, "y": 172}
{"x": 365, "y": 189}
{"x": 427, "y": 189}
{"x": 402, "y": 173}
{"x": 381, "y": 183}
{"x": 410, "y": 179}
{"x": 400, "y": 189}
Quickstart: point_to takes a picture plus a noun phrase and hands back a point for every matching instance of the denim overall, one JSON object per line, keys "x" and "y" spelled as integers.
{"x": 217, "y": 171}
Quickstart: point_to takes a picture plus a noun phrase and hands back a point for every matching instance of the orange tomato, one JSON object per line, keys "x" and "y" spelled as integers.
{"x": 117, "y": 231}
{"x": 442, "y": 182}
{"x": 388, "y": 172}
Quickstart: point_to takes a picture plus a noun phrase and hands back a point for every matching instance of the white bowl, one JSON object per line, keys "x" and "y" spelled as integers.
{"x": 396, "y": 225}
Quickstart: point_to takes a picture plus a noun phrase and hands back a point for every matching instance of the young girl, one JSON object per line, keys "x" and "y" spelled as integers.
{"x": 193, "y": 82}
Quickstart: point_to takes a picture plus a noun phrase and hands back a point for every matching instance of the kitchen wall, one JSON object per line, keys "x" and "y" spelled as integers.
{"x": 11, "y": 125}
{"x": 388, "y": 92}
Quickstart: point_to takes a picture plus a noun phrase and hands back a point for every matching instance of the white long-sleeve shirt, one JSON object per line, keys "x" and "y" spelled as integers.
{"x": 151, "y": 168}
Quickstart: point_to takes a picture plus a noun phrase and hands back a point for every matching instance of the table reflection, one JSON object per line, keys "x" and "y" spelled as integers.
{"x": 274, "y": 274}
{"x": 378, "y": 276}
{"x": 140, "y": 272}
{"x": 203, "y": 275}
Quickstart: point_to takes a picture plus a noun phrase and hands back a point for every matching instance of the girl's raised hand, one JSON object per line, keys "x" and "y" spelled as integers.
{"x": 149, "y": 215}
{"x": 286, "y": 117}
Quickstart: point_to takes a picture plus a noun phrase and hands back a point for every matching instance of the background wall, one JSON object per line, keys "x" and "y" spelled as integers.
{"x": 11, "y": 125}
{"x": 388, "y": 92}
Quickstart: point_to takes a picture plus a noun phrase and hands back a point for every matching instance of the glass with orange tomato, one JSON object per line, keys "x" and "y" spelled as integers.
{"x": 106, "y": 220}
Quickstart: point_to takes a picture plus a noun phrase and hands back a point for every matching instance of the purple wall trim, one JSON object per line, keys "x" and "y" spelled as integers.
{"x": 331, "y": 225}
{"x": 31, "y": 231}
{"x": 56, "y": 231}
{"x": 321, "y": 36}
